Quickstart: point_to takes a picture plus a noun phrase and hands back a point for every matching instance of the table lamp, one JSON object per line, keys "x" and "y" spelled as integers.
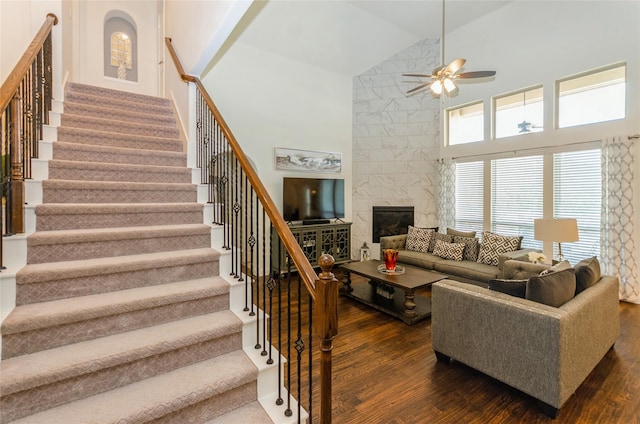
{"x": 556, "y": 230}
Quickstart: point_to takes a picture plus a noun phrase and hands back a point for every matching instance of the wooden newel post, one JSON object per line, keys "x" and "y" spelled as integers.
{"x": 325, "y": 311}
{"x": 17, "y": 171}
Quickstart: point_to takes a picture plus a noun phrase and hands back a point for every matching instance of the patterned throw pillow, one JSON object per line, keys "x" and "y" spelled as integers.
{"x": 449, "y": 250}
{"x": 493, "y": 245}
{"x": 442, "y": 237}
{"x": 418, "y": 239}
{"x": 454, "y": 232}
{"x": 470, "y": 247}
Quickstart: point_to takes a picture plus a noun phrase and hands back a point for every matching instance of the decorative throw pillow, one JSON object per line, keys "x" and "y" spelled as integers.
{"x": 454, "y": 232}
{"x": 515, "y": 288}
{"x": 587, "y": 273}
{"x": 470, "y": 247}
{"x": 493, "y": 245}
{"x": 442, "y": 237}
{"x": 419, "y": 239}
{"x": 449, "y": 250}
{"x": 560, "y": 266}
{"x": 553, "y": 289}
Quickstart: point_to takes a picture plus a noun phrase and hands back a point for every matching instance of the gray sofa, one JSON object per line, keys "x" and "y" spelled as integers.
{"x": 544, "y": 351}
{"x": 465, "y": 271}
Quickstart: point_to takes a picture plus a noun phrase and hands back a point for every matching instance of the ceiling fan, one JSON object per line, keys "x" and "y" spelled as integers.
{"x": 443, "y": 77}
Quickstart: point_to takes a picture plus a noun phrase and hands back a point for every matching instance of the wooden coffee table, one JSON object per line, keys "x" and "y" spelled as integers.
{"x": 393, "y": 294}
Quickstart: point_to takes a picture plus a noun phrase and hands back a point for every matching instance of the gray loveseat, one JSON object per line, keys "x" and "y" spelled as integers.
{"x": 544, "y": 351}
{"x": 466, "y": 271}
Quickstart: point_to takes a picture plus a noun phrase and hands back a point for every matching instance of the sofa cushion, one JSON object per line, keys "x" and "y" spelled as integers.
{"x": 553, "y": 289}
{"x": 453, "y": 251}
{"x": 439, "y": 236}
{"x": 515, "y": 288}
{"x": 470, "y": 247}
{"x": 587, "y": 273}
{"x": 421, "y": 259}
{"x": 454, "y": 232}
{"x": 495, "y": 244}
{"x": 467, "y": 269}
{"x": 419, "y": 239}
{"x": 560, "y": 266}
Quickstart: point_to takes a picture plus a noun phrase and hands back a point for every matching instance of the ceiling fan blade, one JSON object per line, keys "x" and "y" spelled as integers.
{"x": 418, "y": 75}
{"x": 419, "y": 87}
{"x": 436, "y": 72}
{"x": 476, "y": 74}
{"x": 455, "y": 66}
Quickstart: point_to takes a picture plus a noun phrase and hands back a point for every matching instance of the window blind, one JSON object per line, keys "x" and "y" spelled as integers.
{"x": 469, "y": 196}
{"x": 577, "y": 188}
{"x": 516, "y": 197}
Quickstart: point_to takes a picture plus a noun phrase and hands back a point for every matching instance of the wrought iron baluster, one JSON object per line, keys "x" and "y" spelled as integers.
{"x": 288, "y": 412}
{"x": 264, "y": 283}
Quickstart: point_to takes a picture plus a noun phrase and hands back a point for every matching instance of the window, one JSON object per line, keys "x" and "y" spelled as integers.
{"x": 594, "y": 97}
{"x": 466, "y": 124}
{"x": 516, "y": 197}
{"x": 577, "y": 188}
{"x": 519, "y": 113}
{"x": 469, "y": 196}
{"x": 121, "y": 50}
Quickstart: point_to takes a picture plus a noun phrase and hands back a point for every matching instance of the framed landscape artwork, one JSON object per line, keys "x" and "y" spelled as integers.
{"x": 307, "y": 160}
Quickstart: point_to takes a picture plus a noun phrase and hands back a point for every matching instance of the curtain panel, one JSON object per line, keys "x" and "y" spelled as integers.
{"x": 618, "y": 244}
{"x": 447, "y": 194}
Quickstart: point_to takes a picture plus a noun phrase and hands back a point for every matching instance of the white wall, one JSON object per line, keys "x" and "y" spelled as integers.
{"x": 271, "y": 101}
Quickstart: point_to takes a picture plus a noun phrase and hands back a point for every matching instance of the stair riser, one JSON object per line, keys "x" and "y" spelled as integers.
{"x": 40, "y": 398}
{"x": 120, "y": 127}
{"x": 75, "y": 153}
{"x": 52, "y": 195}
{"x": 107, "y": 248}
{"x": 117, "y": 114}
{"x": 140, "y": 176}
{"x": 107, "y": 220}
{"x": 61, "y": 335}
{"x": 123, "y": 107}
{"x": 208, "y": 409}
{"x": 79, "y": 90}
{"x": 71, "y": 135}
{"x": 106, "y": 282}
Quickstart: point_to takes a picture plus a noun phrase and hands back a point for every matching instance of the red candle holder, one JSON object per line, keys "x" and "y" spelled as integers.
{"x": 390, "y": 258}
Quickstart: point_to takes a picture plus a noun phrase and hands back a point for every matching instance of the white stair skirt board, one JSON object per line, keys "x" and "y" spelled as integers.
{"x": 33, "y": 192}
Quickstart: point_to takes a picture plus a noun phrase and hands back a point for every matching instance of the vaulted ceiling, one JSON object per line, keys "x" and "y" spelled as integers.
{"x": 347, "y": 36}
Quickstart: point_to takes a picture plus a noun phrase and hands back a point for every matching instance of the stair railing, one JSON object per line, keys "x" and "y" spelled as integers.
{"x": 25, "y": 102}
{"x": 287, "y": 310}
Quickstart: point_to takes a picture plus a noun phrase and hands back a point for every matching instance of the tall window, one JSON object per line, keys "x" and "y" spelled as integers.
{"x": 466, "y": 124}
{"x": 469, "y": 196}
{"x": 519, "y": 113}
{"x": 592, "y": 97}
{"x": 577, "y": 188}
{"x": 516, "y": 196}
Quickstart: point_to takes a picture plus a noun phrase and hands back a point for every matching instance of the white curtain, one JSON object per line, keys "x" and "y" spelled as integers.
{"x": 447, "y": 194}
{"x": 618, "y": 247}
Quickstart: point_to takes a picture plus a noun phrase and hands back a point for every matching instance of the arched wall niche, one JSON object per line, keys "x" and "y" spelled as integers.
{"x": 120, "y": 46}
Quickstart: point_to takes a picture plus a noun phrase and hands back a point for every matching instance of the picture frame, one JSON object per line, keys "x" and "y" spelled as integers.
{"x": 307, "y": 160}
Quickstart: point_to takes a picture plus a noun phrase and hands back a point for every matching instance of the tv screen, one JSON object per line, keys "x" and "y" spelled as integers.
{"x": 312, "y": 198}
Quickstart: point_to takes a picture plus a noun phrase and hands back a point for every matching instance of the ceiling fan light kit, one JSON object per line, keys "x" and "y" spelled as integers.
{"x": 443, "y": 76}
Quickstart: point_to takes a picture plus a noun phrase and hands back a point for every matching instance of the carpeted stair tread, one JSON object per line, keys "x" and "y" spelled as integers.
{"x": 252, "y": 413}
{"x": 109, "y": 154}
{"x": 105, "y": 138}
{"x": 34, "y": 273}
{"x": 117, "y": 126}
{"x": 48, "y": 366}
{"x": 117, "y": 208}
{"x": 123, "y": 105}
{"x": 96, "y": 171}
{"x": 86, "y": 109}
{"x": 157, "y": 396}
{"x": 58, "y": 312}
{"x": 122, "y": 96}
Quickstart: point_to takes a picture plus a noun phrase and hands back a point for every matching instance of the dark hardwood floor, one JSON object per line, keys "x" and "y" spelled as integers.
{"x": 385, "y": 372}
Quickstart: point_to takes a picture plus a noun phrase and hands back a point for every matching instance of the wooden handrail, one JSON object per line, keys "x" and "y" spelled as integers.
{"x": 12, "y": 82}
{"x": 305, "y": 270}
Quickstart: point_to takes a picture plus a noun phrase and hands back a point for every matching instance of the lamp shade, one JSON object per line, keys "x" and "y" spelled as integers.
{"x": 556, "y": 229}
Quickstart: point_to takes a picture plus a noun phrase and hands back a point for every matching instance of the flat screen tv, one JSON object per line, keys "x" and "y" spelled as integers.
{"x": 306, "y": 199}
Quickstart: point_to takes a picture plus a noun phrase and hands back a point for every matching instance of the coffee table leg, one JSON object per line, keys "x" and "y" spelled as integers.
{"x": 347, "y": 283}
{"x": 409, "y": 303}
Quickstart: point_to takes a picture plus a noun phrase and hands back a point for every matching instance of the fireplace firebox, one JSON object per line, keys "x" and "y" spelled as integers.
{"x": 391, "y": 220}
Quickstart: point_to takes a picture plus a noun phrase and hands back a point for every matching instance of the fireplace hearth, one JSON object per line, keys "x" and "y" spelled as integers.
{"x": 391, "y": 220}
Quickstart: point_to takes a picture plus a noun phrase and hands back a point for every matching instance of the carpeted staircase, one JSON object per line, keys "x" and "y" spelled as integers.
{"x": 121, "y": 315}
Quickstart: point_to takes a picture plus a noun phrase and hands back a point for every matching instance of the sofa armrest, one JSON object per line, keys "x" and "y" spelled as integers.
{"x": 520, "y": 255}
{"x": 521, "y": 270}
{"x": 392, "y": 242}
{"x": 540, "y": 350}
